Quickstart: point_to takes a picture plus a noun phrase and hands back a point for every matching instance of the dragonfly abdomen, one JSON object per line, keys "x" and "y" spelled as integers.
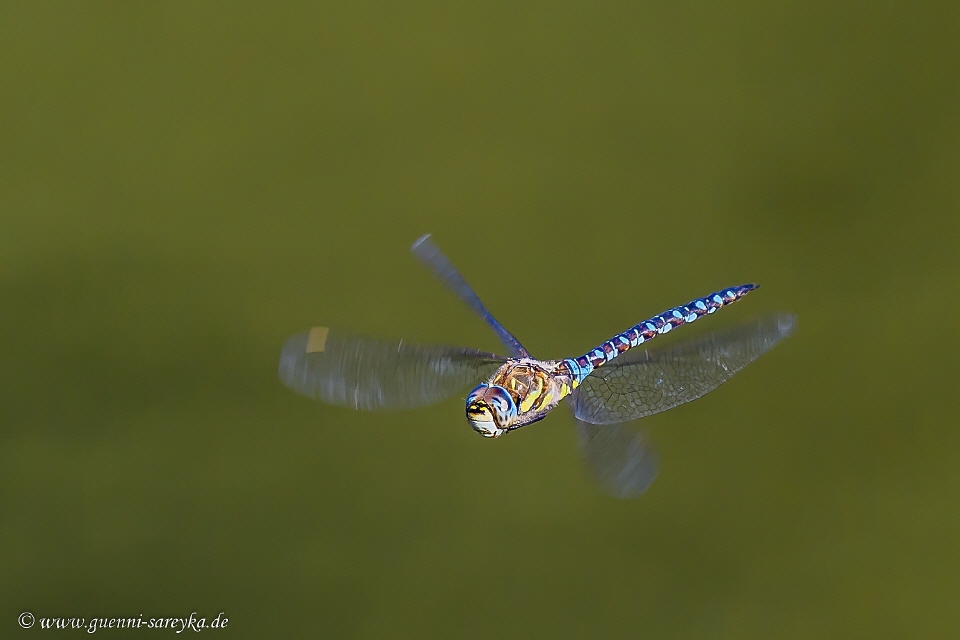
{"x": 580, "y": 368}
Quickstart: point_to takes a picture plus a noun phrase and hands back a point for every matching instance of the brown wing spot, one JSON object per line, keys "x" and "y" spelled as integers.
{"x": 317, "y": 339}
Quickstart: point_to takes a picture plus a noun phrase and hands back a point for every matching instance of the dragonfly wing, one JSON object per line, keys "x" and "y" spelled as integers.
{"x": 434, "y": 259}
{"x": 637, "y": 385}
{"x": 370, "y": 374}
{"x": 619, "y": 457}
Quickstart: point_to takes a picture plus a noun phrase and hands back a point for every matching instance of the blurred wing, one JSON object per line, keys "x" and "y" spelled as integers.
{"x": 370, "y": 374}
{"x": 620, "y": 458}
{"x": 636, "y": 385}
{"x": 434, "y": 259}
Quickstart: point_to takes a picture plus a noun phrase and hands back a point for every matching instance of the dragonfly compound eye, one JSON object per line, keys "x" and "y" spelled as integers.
{"x": 490, "y": 410}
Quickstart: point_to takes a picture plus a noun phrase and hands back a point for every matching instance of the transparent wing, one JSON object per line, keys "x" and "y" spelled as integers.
{"x": 619, "y": 457}
{"x": 434, "y": 259}
{"x": 370, "y": 374}
{"x": 641, "y": 384}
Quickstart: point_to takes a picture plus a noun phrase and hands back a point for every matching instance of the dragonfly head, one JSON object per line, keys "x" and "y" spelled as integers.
{"x": 490, "y": 410}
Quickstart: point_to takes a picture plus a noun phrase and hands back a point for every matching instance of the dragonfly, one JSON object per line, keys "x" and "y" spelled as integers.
{"x": 607, "y": 387}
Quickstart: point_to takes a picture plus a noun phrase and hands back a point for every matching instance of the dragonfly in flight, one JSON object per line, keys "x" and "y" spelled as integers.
{"x": 605, "y": 388}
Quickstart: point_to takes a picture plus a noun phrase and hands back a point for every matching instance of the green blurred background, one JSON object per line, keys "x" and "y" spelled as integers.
{"x": 182, "y": 185}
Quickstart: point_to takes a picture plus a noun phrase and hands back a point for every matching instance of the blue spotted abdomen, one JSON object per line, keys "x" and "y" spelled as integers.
{"x": 580, "y": 368}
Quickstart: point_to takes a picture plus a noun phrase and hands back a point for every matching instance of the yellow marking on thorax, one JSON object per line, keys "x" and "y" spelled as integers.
{"x": 545, "y": 399}
{"x": 533, "y": 395}
{"x": 317, "y": 339}
{"x": 530, "y": 386}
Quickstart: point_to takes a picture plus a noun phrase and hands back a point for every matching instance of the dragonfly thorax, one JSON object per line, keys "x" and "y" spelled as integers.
{"x": 520, "y": 392}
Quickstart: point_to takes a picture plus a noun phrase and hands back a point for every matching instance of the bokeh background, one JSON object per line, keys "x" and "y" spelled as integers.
{"x": 183, "y": 185}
